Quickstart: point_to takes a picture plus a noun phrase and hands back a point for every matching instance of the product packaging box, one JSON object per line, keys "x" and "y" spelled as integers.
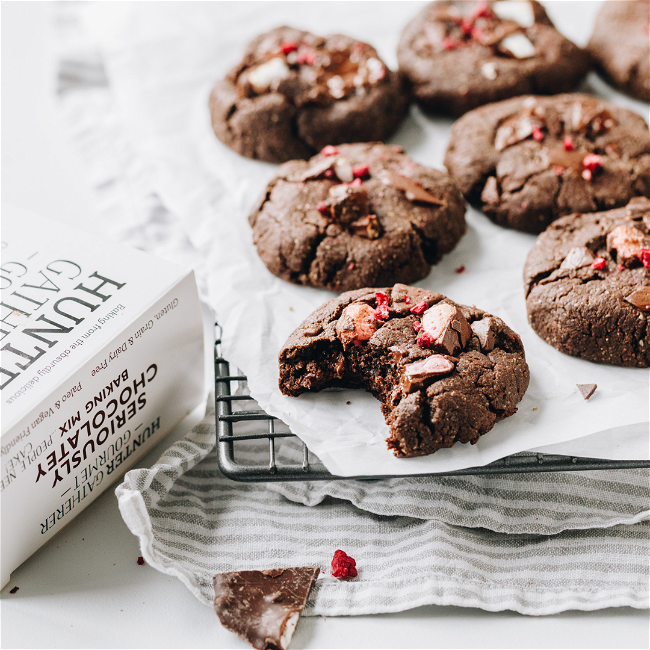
{"x": 101, "y": 354}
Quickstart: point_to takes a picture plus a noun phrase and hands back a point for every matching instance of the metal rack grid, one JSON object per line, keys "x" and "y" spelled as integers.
{"x": 228, "y": 416}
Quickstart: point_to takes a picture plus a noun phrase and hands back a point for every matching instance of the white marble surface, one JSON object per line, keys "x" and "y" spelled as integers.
{"x": 84, "y": 588}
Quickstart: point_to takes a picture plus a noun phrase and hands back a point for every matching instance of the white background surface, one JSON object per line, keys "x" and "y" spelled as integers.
{"x": 84, "y": 588}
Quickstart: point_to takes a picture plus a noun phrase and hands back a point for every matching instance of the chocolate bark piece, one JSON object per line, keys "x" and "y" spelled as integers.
{"x": 263, "y": 607}
{"x": 430, "y": 400}
{"x": 620, "y": 46}
{"x": 587, "y": 390}
{"x": 529, "y": 160}
{"x": 294, "y": 93}
{"x": 459, "y": 55}
{"x": 597, "y": 311}
{"x": 311, "y": 227}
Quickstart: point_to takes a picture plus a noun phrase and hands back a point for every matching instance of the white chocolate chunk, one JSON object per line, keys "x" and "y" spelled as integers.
{"x": 519, "y": 46}
{"x": 265, "y": 75}
{"x": 343, "y": 170}
{"x": 489, "y": 71}
{"x": 520, "y": 11}
{"x": 289, "y": 628}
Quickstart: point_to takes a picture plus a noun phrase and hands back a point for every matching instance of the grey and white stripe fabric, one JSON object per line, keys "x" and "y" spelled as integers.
{"x": 463, "y": 541}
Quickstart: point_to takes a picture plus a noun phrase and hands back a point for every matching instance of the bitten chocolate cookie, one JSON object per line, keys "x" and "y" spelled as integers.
{"x": 620, "y": 45}
{"x": 529, "y": 160}
{"x": 587, "y": 284}
{"x": 293, "y": 93}
{"x": 356, "y": 215}
{"x": 444, "y": 373}
{"x": 459, "y": 55}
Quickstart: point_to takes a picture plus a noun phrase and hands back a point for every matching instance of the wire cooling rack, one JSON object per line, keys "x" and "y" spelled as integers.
{"x": 231, "y": 414}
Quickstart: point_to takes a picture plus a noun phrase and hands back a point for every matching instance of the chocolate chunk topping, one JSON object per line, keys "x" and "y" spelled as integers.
{"x": 421, "y": 373}
{"x": 347, "y": 204}
{"x": 263, "y": 607}
{"x": 357, "y": 323}
{"x": 405, "y": 298}
{"x": 627, "y": 241}
{"x": 447, "y": 327}
{"x": 516, "y": 128}
{"x": 485, "y": 330}
{"x": 640, "y": 298}
{"x": 577, "y": 257}
{"x": 315, "y": 171}
{"x": 587, "y": 390}
{"x": 413, "y": 191}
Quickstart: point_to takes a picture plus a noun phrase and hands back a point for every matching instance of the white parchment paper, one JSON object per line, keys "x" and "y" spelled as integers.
{"x": 162, "y": 61}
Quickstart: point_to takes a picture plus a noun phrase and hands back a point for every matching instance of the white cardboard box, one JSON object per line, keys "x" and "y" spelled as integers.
{"x": 101, "y": 355}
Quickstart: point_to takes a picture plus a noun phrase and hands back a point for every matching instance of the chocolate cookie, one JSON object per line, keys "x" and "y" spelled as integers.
{"x": 444, "y": 373}
{"x": 459, "y": 55}
{"x": 588, "y": 285}
{"x": 356, "y": 215}
{"x": 293, "y": 93}
{"x": 620, "y": 45}
{"x": 529, "y": 160}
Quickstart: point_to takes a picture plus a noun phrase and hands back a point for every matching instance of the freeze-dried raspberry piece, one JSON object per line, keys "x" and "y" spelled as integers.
{"x": 343, "y": 566}
{"x": 417, "y": 326}
{"x": 420, "y": 308}
{"x": 141, "y": 560}
{"x": 567, "y": 143}
{"x": 381, "y": 312}
{"x": 288, "y": 46}
{"x": 323, "y": 208}
{"x": 599, "y": 264}
{"x": 538, "y": 134}
{"x": 644, "y": 256}
{"x": 329, "y": 150}
{"x": 592, "y": 161}
{"x": 361, "y": 171}
{"x": 424, "y": 340}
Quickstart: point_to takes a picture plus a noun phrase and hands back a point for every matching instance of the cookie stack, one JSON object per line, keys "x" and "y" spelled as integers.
{"x": 348, "y": 213}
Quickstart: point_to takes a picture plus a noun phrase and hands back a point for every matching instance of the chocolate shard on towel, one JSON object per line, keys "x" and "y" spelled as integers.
{"x": 587, "y": 390}
{"x": 263, "y": 607}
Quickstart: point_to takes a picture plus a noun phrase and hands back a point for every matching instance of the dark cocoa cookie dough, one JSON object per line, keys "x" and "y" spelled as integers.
{"x": 459, "y": 55}
{"x": 528, "y": 160}
{"x": 356, "y": 215}
{"x": 620, "y": 45}
{"x": 444, "y": 373}
{"x": 587, "y": 282}
{"x": 293, "y": 93}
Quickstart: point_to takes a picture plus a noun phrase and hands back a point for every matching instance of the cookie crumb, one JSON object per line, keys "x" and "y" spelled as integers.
{"x": 13, "y": 590}
{"x": 587, "y": 390}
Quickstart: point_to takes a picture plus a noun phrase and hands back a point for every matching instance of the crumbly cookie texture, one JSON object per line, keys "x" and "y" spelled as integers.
{"x": 356, "y": 215}
{"x": 294, "y": 92}
{"x": 620, "y": 45}
{"x": 444, "y": 373}
{"x": 459, "y": 55}
{"x": 529, "y": 160}
{"x": 587, "y": 282}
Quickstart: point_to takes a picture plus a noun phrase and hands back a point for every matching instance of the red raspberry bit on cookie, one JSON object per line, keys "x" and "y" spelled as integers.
{"x": 621, "y": 267}
{"x": 599, "y": 264}
{"x": 417, "y": 326}
{"x": 467, "y": 26}
{"x": 461, "y": 269}
{"x": 381, "y": 312}
{"x": 351, "y": 266}
{"x": 361, "y": 171}
{"x": 449, "y": 43}
{"x": 322, "y": 208}
{"x": 329, "y": 173}
{"x": 343, "y": 566}
{"x": 407, "y": 300}
{"x": 558, "y": 170}
{"x": 644, "y": 256}
{"x": 567, "y": 143}
{"x": 592, "y": 161}
{"x": 355, "y": 183}
{"x": 424, "y": 340}
{"x": 329, "y": 150}
{"x": 420, "y": 308}
{"x": 538, "y": 134}
{"x": 288, "y": 46}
